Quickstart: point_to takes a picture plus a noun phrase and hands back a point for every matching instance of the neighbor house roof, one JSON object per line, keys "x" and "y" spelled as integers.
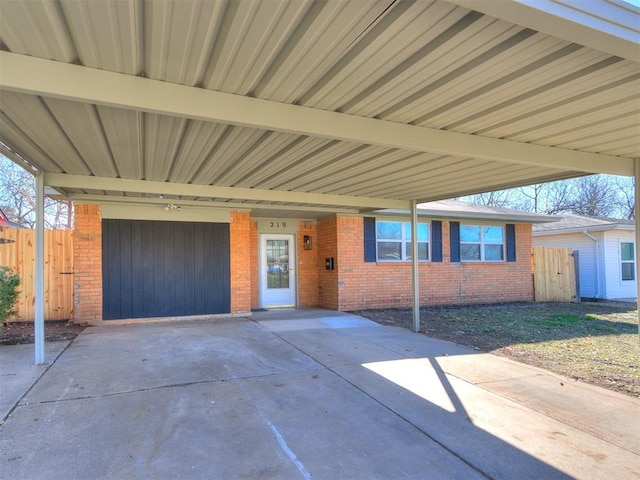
{"x": 579, "y": 223}
{"x": 466, "y": 210}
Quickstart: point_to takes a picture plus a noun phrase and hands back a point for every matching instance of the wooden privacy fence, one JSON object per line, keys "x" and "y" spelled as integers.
{"x": 554, "y": 274}
{"x": 17, "y": 251}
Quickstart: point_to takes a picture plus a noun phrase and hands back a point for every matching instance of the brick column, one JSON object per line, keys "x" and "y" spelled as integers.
{"x": 308, "y": 266}
{"x": 87, "y": 264}
{"x": 328, "y": 296}
{"x": 240, "y": 259}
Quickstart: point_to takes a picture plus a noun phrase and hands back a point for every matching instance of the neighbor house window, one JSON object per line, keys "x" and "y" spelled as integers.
{"x": 393, "y": 241}
{"x": 627, "y": 261}
{"x": 481, "y": 243}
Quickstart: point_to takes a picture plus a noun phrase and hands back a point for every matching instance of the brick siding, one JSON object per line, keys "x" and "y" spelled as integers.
{"x": 328, "y": 295}
{"x": 240, "y": 260}
{"x": 388, "y": 284}
{"x": 255, "y": 290}
{"x": 87, "y": 261}
{"x": 353, "y": 284}
{"x": 308, "y": 266}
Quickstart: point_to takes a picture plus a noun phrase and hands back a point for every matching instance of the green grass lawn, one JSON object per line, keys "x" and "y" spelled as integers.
{"x": 595, "y": 342}
{"x": 592, "y": 342}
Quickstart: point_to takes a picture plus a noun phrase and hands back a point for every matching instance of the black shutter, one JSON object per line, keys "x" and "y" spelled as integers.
{"x": 511, "y": 242}
{"x": 369, "y": 239}
{"x": 454, "y": 235}
{"x": 436, "y": 241}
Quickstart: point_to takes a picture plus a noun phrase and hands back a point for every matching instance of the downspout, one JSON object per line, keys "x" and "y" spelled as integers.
{"x": 586, "y": 234}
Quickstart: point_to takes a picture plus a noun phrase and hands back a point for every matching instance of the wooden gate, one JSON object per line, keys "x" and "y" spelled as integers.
{"x": 554, "y": 275}
{"x": 17, "y": 251}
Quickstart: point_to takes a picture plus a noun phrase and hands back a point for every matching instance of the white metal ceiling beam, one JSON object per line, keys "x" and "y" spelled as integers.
{"x": 61, "y": 180}
{"x": 35, "y": 76}
{"x": 611, "y": 27}
{"x": 111, "y": 199}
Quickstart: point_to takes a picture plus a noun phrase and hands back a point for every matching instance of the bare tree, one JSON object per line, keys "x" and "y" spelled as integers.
{"x": 594, "y": 196}
{"x": 17, "y": 198}
{"x": 501, "y": 198}
{"x": 549, "y": 198}
{"x": 626, "y": 187}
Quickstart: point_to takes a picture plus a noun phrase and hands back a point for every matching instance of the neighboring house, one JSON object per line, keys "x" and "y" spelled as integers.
{"x": 154, "y": 261}
{"x": 606, "y": 249}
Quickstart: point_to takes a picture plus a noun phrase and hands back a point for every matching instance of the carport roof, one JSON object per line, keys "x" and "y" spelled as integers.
{"x": 322, "y": 106}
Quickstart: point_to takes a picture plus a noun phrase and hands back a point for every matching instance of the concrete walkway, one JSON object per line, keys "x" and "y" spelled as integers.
{"x": 303, "y": 394}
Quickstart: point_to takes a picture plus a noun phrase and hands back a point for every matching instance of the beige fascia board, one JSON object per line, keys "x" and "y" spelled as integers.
{"x": 36, "y": 76}
{"x": 502, "y": 217}
{"x": 598, "y": 228}
{"x": 613, "y": 29}
{"x": 248, "y": 194}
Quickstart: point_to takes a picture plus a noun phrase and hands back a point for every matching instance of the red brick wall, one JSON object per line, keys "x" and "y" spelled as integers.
{"x": 308, "y": 266}
{"x": 253, "y": 251}
{"x": 87, "y": 261}
{"x": 240, "y": 259}
{"x": 381, "y": 285}
{"x": 328, "y": 247}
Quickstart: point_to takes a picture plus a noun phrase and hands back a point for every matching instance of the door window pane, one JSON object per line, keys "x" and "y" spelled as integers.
{"x": 277, "y": 263}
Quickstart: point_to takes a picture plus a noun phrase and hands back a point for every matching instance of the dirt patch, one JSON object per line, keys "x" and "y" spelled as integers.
{"x": 593, "y": 342}
{"x": 16, "y": 333}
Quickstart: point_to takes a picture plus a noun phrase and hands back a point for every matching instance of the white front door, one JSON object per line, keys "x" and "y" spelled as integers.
{"x": 277, "y": 271}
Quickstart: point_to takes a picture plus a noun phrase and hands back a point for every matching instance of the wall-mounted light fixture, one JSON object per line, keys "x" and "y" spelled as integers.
{"x": 307, "y": 242}
{"x": 172, "y": 207}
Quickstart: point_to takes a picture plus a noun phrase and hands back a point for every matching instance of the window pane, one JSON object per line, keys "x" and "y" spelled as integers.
{"x": 493, "y": 252}
{"x": 493, "y": 235}
{"x": 389, "y": 251}
{"x": 389, "y": 230}
{"x": 470, "y": 252}
{"x": 423, "y": 251}
{"x": 423, "y": 232}
{"x": 626, "y": 251}
{"x": 469, "y": 233}
{"x": 627, "y": 271}
{"x": 277, "y": 264}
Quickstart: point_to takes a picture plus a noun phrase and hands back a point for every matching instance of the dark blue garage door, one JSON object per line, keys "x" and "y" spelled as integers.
{"x": 164, "y": 269}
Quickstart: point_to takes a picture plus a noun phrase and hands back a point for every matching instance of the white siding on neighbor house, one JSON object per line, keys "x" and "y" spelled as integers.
{"x": 587, "y": 265}
{"x": 616, "y": 287}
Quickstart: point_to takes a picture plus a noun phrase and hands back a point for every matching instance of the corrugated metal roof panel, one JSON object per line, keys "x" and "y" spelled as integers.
{"x": 427, "y": 63}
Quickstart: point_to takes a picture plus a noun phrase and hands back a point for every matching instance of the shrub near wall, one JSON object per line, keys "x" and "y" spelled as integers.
{"x": 9, "y": 283}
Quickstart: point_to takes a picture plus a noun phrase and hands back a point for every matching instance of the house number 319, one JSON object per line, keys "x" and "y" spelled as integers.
{"x": 277, "y": 224}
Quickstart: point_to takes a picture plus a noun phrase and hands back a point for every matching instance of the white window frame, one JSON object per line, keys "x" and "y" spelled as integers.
{"x": 632, "y": 262}
{"x": 403, "y": 241}
{"x": 482, "y": 243}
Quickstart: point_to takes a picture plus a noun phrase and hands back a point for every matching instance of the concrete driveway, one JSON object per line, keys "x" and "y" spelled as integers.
{"x": 303, "y": 394}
